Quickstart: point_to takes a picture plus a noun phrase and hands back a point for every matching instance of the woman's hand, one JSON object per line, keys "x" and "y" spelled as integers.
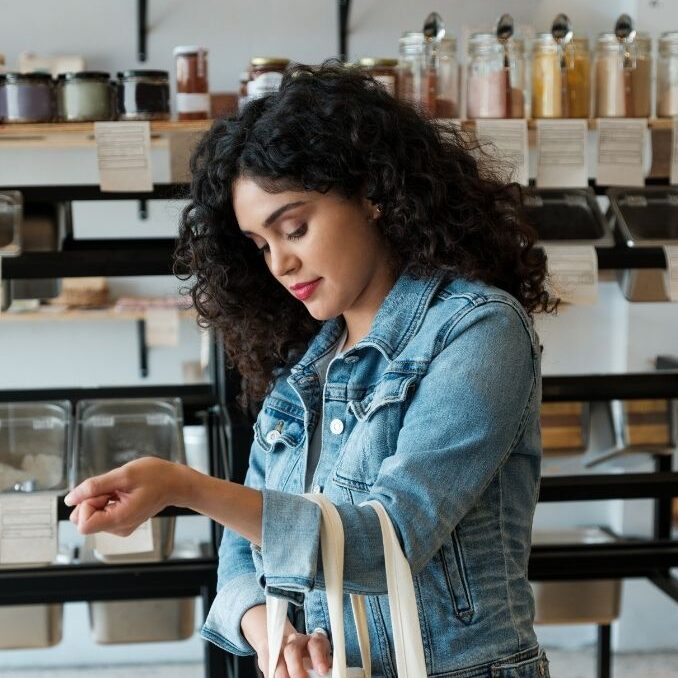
{"x": 300, "y": 653}
{"x": 121, "y": 500}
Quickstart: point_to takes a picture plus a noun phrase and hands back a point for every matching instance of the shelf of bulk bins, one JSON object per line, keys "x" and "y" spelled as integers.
{"x": 178, "y": 577}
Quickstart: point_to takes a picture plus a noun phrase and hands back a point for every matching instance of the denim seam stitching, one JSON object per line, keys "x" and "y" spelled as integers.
{"x": 503, "y": 553}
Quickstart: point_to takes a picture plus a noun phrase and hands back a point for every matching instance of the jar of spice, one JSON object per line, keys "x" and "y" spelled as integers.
{"x": 193, "y": 99}
{"x": 265, "y": 76}
{"x": 84, "y": 96}
{"x": 382, "y": 70}
{"x": 623, "y": 77}
{"x": 26, "y": 97}
{"x": 578, "y": 60}
{"x": 546, "y": 78}
{"x": 667, "y": 76}
{"x": 143, "y": 95}
{"x": 517, "y": 77}
{"x": 486, "y": 79}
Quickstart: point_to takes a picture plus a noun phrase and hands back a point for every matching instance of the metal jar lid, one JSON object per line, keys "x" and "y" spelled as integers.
{"x": 273, "y": 62}
{"x": 100, "y": 76}
{"x": 373, "y": 62}
{"x": 145, "y": 74}
{"x": 25, "y": 78}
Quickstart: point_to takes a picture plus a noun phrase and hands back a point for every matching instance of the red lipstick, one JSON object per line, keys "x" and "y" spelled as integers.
{"x": 304, "y": 290}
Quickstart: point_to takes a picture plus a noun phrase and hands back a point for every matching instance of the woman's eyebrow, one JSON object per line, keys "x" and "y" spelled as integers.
{"x": 276, "y": 214}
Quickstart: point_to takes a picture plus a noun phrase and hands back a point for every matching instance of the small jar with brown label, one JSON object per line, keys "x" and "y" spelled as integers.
{"x": 193, "y": 99}
{"x": 384, "y": 71}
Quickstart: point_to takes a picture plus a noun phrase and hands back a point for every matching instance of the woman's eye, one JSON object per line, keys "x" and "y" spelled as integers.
{"x": 295, "y": 235}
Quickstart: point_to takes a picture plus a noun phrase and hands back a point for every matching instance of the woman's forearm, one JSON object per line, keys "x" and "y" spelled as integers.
{"x": 234, "y": 506}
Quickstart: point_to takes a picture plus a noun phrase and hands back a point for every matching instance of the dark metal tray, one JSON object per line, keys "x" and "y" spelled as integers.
{"x": 645, "y": 217}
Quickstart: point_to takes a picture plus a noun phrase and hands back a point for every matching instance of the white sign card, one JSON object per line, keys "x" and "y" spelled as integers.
{"x": 506, "y": 140}
{"x": 140, "y": 541}
{"x": 671, "y": 254}
{"x": 28, "y": 529}
{"x": 124, "y": 156}
{"x": 162, "y": 326}
{"x": 573, "y": 273}
{"x": 674, "y": 152}
{"x": 620, "y": 151}
{"x": 562, "y": 153}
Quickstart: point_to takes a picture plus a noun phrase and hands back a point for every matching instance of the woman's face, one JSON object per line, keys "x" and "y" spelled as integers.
{"x": 310, "y": 237}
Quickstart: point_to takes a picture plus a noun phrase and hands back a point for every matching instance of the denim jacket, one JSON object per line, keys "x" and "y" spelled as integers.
{"x": 435, "y": 413}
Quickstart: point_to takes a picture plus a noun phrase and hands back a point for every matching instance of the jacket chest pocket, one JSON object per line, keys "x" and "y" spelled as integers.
{"x": 374, "y": 436}
{"x": 279, "y": 432}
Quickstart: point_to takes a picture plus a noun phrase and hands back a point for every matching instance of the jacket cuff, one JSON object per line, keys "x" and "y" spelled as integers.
{"x": 222, "y": 626}
{"x": 289, "y": 566}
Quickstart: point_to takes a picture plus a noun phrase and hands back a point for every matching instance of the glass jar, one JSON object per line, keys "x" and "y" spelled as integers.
{"x": 26, "y": 97}
{"x": 547, "y": 74}
{"x": 667, "y": 76}
{"x": 623, "y": 84}
{"x": 265, "y": 76}
{"x": 518, "y": 77}
{"x": 85, "y": 96}
{"x": 578, "y": 60}
{"x": 433, "y": 85}
{"x": 193, "y": 99}
{"x": 143, "y": 95}
{"x": 486, "y": 80}
{"x": 384, "y": 71}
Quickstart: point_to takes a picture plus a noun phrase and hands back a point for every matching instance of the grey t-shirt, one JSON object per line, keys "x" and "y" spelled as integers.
{"x": 315, "y": 446}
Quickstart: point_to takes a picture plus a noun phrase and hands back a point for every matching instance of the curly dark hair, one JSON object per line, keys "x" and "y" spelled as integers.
{"x": 331, "y": 128}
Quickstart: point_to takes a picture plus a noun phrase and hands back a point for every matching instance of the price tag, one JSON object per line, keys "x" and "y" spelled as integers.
{"x": 562, "y": 153}
{"x": 124, "y": 156}
{"x": 28, "y": 529}
{"x": 162, "y": 326}
{"x": 573, "y": 273}
{"x": 140, "y": 541}
{"x": 507, "y": 141}
{"x": 620, "y": 151}
{"x": 671, "y": 275}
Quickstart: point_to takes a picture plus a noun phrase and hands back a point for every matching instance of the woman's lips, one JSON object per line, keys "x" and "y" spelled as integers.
{"x": 304, "y": 292}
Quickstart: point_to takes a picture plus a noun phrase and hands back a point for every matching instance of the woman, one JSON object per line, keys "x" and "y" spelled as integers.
{"x": 375, "y": 288}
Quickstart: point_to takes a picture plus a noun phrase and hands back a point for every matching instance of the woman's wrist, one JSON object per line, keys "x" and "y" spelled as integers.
{"x": 183, "y": 482}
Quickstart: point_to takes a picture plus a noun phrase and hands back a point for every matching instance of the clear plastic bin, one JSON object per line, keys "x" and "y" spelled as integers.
{"x": 111, "y": 433}
{"x": 11, "y": 208}
{"x": 576, "y": 602}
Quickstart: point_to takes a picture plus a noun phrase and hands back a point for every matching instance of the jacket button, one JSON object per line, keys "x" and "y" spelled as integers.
{"x": 336, "y": 426}
{"x": 272, "y": 436}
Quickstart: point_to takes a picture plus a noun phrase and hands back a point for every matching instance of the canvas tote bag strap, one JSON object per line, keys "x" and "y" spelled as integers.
{"x": 408, "y": 646}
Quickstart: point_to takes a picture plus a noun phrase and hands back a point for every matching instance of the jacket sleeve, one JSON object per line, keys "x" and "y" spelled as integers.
{"x": 238, "y": 587}
{"x": 465, "y": 418}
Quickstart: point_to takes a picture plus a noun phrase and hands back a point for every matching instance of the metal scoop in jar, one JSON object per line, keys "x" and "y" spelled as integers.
{"x": 561, "y": 30}
{"x": 626, "y": 34}
{"x": 504, "y": 33}
{"x": 434, "y": 32}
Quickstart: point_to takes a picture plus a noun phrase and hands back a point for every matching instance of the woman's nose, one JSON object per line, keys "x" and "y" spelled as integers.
{"x": 283, "y": 262}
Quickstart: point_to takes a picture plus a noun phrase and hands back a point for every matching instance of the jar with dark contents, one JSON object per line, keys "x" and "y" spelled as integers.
{"x": 26, "y": 97}
{"x": 193, "y": 99}
{"x": 143, "y": 95}
{"x": 84, "y": 97}
{"x": 384, "y": 71}
{"x": 265, "y": 76}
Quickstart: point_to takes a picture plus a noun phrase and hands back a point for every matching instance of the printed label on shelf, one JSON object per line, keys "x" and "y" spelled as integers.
{"x": 674, "y": 152}
{"x": 620, "y": 151}
{"x": 671, "y": 275}
{"x": 28, "y": 529}
{"x": 2, "y": 288}
{"x": 562, "y": 153}
{"x": 193, "y": 103}
{"x": 162, "y": 327}
{"x": 124, "y": 156}
{"x": 140, "y": 541}
{"x": 506, "y": 140}
{"x": 573, "y": 273}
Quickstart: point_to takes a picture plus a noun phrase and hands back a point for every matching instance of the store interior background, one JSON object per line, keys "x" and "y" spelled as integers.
{"x": 87, "y": 353}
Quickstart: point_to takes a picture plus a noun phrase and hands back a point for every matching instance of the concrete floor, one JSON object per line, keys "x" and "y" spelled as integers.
{"x": 564, "y": 664}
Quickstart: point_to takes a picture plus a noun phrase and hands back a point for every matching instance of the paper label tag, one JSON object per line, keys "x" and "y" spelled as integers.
{"x": 124, "y": 156}
{"x": 507, "y": 141}
{"x": 28, "y": 529}
{"x": 671, "y": 275}
{"x": 562, "y": 153}
{"x": 674, "y": 152}
{"x": 573, "y": 273}
{"x": 193, "y": 103}
{"x": 162, "y": 327}
{"x": 140, "y": 541}
{"x": 620, "y": 152}
{"x": 181, "y": 147}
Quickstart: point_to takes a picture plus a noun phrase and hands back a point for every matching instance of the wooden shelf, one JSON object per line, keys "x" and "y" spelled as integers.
{"x": 160, "y": 127}
{"x": 69, "y": 315}
{"x": 653, "y": 123}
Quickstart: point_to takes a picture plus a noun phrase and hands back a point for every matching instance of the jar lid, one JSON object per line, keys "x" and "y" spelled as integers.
{"x": 372, "y": 62}
{"x": 14, "y": 77}
{"x": 416, "y": 38}
{"x": 85, "y": 75}
{"x": 269, "y": 61}
{"x": 164, "y": 75}
{"x": 607, "y": 40}
{"x": 668, "y": 36}
{"x": 188, "y": 49}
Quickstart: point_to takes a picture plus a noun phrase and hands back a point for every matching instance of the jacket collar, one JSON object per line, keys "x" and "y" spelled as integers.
{"x": 398, "y": 319}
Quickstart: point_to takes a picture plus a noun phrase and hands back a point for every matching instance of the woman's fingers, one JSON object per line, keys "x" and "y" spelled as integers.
{"x": 106, "y": 484}
{"x": 115, "y": 517}
{"x": 281, "y": 670}
{"x": 319, "y": 652}
{"x": 293, "y": 654}
{"x": 99, "y": 502}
